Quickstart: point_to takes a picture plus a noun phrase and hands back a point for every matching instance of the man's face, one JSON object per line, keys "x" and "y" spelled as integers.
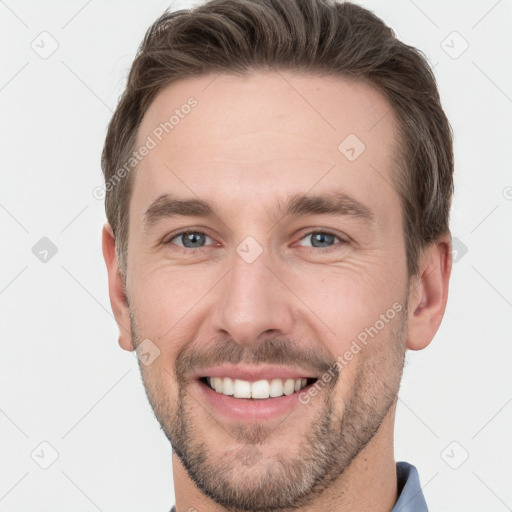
{"x": 255, "y": 294}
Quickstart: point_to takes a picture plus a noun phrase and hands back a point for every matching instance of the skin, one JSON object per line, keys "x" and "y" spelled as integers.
{"x": 249, "y": 143}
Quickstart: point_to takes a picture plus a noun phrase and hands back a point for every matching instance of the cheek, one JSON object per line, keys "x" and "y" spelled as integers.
{"x": 161, "y": 389}
{"x": 369, "y": 361}
{"x": 348, "y": 299}
{"x": 164, "y": 296}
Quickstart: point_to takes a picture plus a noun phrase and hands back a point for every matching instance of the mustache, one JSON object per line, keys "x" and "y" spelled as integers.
{"x": 274, "y": 351}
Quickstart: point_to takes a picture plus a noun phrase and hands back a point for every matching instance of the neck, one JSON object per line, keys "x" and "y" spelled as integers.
{"x": 369, "y": 483}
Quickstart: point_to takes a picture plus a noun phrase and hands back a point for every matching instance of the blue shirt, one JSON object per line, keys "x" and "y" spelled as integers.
{"x": 410, "y": 495}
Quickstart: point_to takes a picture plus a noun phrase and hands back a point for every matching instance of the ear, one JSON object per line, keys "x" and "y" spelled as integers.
{"x": 428, "y": 293}
{"x": 116, "y": 289}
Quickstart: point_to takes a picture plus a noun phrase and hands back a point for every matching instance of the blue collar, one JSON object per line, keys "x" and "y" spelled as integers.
{"x": 410, "y": 495}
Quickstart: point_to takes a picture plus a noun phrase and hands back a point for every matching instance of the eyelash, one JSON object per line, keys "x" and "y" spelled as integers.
{"x": 194, "y": 250}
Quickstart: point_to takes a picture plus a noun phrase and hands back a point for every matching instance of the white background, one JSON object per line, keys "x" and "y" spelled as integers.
{"x": 63, "y": 378}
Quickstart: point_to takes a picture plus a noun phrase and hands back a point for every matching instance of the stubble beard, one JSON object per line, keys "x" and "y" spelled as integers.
{"x": 243, "y": 479}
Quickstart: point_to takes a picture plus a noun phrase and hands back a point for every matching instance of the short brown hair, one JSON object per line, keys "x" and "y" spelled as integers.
{"x": 313, "y": 36}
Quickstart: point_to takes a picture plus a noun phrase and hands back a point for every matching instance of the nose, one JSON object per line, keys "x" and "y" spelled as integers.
{"x": 254, "y": 301}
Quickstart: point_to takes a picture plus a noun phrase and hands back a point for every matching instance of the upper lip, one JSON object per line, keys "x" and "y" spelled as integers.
{"x": 254, "y": 373}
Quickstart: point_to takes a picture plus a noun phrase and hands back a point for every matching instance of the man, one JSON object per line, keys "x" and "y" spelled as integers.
{"x": 279, "y": 175}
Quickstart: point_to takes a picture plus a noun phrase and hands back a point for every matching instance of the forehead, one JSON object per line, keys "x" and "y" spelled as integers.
{"x": 265, "y": 135}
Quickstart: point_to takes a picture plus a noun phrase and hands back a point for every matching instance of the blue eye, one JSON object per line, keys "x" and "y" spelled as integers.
{"x": 321, "y": 239}
{"x": 190, "y": 239}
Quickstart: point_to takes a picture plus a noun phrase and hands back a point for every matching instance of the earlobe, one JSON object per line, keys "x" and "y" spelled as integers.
{"x": 116, "y": 289}
{"x": 429, "y": 294}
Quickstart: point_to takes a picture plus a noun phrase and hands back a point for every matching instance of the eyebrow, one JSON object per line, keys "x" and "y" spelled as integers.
{"x": 330, "y": 203}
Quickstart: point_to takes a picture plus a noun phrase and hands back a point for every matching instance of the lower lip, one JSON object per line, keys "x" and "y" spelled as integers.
{"x": 249, "y": 410}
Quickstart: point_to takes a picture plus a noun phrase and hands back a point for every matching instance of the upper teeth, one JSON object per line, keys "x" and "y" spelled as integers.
{"x": 259, "y": 389}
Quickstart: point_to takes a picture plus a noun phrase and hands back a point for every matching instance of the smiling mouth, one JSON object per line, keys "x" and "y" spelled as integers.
{"x": 256, "y": 390}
